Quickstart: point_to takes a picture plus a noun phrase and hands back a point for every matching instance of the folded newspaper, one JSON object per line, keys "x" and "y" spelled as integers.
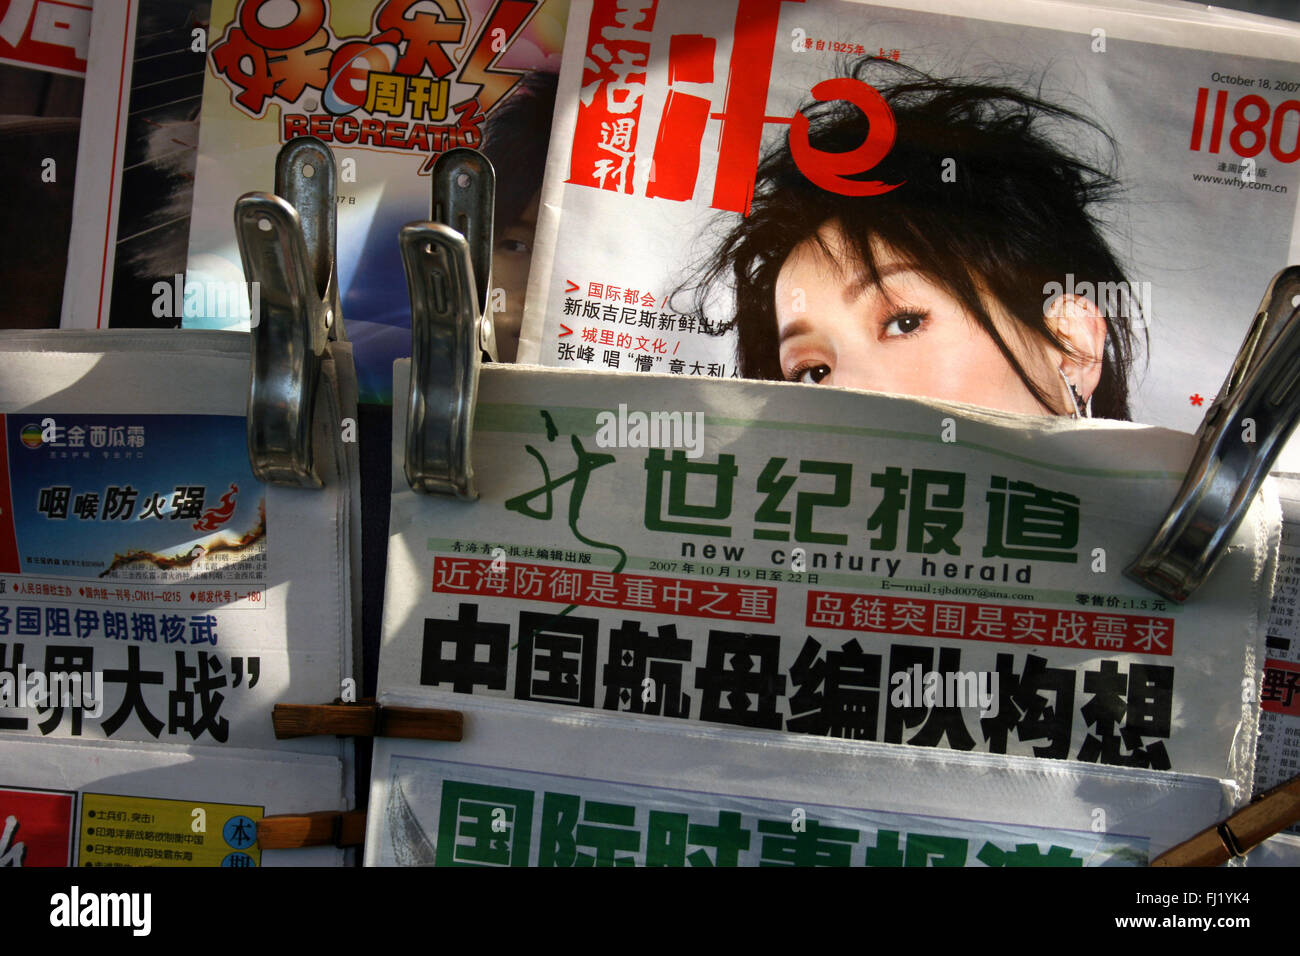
{"x": 563, "y": 787}
{"x": 1278, "y": 759}
{"x": 156, "y": 601}
{"x": 110, "y": 803}
{"x": 826, "y": 562}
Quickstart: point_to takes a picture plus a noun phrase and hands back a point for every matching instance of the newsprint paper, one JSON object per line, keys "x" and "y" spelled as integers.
{"x": 156, "y": 601}
{"x": 829, "y": 563}
{"x": 557, "y": 786}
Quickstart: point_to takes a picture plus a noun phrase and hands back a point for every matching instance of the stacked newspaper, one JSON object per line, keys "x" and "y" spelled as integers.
{"x": 156, "y": 602}
{"x": 802, "y": 565}
{"x": 987, "y": 131}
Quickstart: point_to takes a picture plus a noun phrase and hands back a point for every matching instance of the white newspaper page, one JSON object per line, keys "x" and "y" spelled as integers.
{"x": 101, "y": 803}
{"x": 152, "y": 592}
{"x": 560, "y": 787}
{"x": 1279, "y": 720}
{"x": 826, "y": 562}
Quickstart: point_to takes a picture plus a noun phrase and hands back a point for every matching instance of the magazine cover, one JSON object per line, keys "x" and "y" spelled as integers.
{"x": 389, "y": 87}
{"x": 1039, "y": 207}
{"x": 42, "y": 79}
{"x": 131, "y": 219}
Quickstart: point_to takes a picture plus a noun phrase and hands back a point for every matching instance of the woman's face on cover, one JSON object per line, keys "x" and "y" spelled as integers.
{"x": 906, "y": 336}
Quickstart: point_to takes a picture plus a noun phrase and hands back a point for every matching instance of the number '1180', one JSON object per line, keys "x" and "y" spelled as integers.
{"x": 1251, "y": 130}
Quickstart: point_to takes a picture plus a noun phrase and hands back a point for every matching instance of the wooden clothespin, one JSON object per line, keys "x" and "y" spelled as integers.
{"x": 1240, "y": 833}
{"x": 365, "y": 718}
{"x": 293, "y": 831}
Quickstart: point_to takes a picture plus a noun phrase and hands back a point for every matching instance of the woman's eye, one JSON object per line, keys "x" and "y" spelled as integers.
{"x": 904, "y": 323}
{"x": 811, "y": 374}
{"x": 513, "y": 245}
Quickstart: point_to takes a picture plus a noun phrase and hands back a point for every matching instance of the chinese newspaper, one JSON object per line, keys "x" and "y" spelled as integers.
{"x": 559, "y": 787}
{"x": 829, "y": 563}
{"x": 156, "y": 600}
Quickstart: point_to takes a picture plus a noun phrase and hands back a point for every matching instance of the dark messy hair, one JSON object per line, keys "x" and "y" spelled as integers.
{"x": 1016, "y": 216}
{"x": 515, "y": 139}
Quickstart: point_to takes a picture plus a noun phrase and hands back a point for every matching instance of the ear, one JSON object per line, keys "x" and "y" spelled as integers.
{"x": 1079, "y": 324}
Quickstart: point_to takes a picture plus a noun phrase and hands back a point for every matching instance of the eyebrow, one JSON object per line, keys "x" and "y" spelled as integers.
{"x": 852, "y": 292}
{"x": 797, "y": 327}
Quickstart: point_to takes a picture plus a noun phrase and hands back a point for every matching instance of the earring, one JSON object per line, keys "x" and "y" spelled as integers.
{"x": 1082, "y": 409}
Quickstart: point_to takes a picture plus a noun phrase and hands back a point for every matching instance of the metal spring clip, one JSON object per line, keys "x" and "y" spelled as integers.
{"x": 448, "y": 266}
{"x": 1259, "y": 399}
{"x": 287, "y": 243}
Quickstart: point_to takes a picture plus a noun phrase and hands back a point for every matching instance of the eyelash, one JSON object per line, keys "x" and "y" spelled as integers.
{"x": 921, "y": 317}
{"x": 796, "y": 373}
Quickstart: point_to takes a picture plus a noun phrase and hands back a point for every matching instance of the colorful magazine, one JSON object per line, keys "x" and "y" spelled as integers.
{"x": 823, "y": 192}
{"x": 141, "y": 126}
{"x": 389, "y": 89}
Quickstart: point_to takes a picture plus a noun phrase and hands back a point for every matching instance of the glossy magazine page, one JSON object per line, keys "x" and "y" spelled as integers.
{"x": 140, "y": 127}
{"x": 388, "y": 91}
{"x": 1089, "y": 201}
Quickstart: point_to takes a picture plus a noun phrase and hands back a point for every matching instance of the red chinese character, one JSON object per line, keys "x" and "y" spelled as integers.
{"x": 617, "y": 50}
{"x": 283, "y": 60}
{"x": 424, "y": 34}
